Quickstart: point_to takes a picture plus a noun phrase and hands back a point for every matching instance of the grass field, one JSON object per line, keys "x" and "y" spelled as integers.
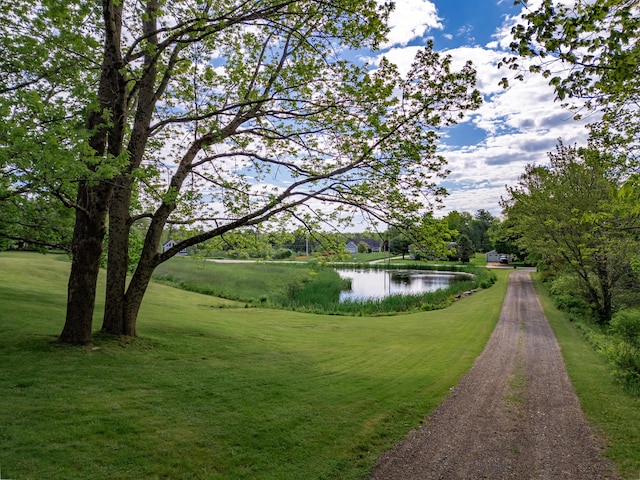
{"x": 615, "y": 414}
{"x": 218, "y": 393}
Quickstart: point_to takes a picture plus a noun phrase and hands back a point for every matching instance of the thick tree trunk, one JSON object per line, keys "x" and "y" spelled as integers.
{"x": 86, "y": 249}
{"x": 133, "y": 299}
{"x": 118, "y": 258}
{"x": 149, "y": 260}
{"x": 94, "y": 195}
{"x": 117, "y": 318}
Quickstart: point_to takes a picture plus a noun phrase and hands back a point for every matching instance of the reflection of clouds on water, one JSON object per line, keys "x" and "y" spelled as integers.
{"x": 369, "y": 283}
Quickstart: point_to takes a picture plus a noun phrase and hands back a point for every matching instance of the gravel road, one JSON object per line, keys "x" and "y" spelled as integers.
{"x": 513, "y": 416}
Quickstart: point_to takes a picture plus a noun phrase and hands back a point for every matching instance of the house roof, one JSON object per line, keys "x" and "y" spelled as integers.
{"x": 369, "y": 241}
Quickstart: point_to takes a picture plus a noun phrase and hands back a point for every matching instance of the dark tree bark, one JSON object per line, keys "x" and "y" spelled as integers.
{"x": 86, "y": 249}
{"x": 116, "y": 319}
{"x": 94, "y": 195}
{"x": 118, "y": 258}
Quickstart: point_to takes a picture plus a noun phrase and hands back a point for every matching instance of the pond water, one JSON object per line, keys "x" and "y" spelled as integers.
{"x": 373, "y": 283}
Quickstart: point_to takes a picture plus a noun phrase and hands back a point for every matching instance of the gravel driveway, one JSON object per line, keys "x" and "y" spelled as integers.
{"x": 513, "y": 416}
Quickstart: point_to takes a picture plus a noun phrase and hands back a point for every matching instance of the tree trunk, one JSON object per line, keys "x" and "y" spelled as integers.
{"x": 116, "y": 319}
{"x": 86, "y": 249}
{"x": 133, "y": 299}
{"x": 118, "y": 258}
{"x": 140, "y": 279}
{"x": 94, "y": 195}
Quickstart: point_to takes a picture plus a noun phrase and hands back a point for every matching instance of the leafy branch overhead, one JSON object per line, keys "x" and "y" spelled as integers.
{"x": 588, "y": 50}
{"x": 228, "y": 115}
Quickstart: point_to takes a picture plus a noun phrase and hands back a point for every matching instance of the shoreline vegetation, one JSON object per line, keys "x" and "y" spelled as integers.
{"x": 313, "y": 287}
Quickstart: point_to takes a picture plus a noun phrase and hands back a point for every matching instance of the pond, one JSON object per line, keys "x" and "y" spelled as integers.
{"x": 368, "y": 284}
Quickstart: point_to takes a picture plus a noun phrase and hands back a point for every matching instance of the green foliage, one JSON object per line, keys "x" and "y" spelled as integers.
{"x": 619, "y": 343}
{"x": 34, "y": 220}
{"x": 135, "y": 250}
{"x": 505, "y": 236}
{"x": 626, "y": 325}
{"x": 571, "y": 215}
{"x": 464, "y": 248}
{"x": 588, "y": 51}
{"x": 281, "y": 254}
{"x": 625, "y": 358}
{"x": 595, "y": 385}
{"x": 624, "y": 351}
{"x": 567, "y": 294}
{"x": 363, "y": 247}
{"x": 432, "y": 236}
{"x": 598, "y": 38}
{"x": 479, "y": 229}
{"x": 322, "y": 288}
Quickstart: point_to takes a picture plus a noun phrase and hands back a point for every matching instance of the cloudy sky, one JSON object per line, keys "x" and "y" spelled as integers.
{"x": 513, "y": 127}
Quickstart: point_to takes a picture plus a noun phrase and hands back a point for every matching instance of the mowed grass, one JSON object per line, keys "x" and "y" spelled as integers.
{"x": 218, "y": 393}
{"x": 614, "y": 413}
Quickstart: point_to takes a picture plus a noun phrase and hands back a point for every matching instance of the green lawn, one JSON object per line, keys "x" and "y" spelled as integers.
{"x": 614, "y": 413}
{"x": 218, "y": 393}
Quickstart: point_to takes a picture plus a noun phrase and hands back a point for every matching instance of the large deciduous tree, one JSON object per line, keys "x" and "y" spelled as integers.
{"x": 224, "y": 114}
{"x": 576, "y": 213}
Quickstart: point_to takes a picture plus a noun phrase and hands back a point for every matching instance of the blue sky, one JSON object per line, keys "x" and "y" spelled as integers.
{"x": 514, "y": 127}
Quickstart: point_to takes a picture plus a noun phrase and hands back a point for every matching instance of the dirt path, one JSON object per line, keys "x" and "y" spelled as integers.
{"x": 513, "y": 416}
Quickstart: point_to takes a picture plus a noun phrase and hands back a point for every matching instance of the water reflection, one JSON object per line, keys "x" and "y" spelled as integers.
{"x": 372, "y": 283}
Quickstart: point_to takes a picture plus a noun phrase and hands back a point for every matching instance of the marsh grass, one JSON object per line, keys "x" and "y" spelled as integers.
{"x": 254, "y": 283}
{"x": 311, "y": 287}
{"x": 210, "y": 393}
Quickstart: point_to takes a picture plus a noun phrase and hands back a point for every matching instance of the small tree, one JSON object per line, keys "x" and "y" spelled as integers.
{"x": 575, "y": 214}
{"x": 464, "y": 248}
{"x": 400, "y": 245}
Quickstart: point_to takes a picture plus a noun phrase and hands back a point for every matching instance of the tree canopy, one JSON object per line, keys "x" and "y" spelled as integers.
{"x": 575, "y": 215}
{"x": 216, "y": 114}
{"x": 590, "y": 53}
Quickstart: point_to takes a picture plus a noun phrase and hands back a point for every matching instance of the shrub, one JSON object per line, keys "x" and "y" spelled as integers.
{"x": 626, "y": 361}
{"x": 282, "y": 253}
{"x": 567, "y": 294}
{"x": 623, "y": 350}
{"x": 626, "y": 326}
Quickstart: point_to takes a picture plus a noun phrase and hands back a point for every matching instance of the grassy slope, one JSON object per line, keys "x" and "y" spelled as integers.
{"x": 218, "y": 393}
{"x": 614, "y": 413}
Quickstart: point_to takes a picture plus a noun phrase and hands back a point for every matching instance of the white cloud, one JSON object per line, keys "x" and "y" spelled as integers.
{"x": 520, "y": 124}
{"x": 412, "y": 19}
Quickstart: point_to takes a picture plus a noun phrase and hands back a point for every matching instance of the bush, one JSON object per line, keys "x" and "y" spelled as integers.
{"x": 626, "y": 326}
{"x": 567, "y": 294}
{"x": 282, "y": 253}
{"x": 626, "y": 361}
{"x": 624, "y": 349}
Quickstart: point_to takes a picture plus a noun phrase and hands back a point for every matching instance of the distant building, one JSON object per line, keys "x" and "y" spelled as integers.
{"x": 169, "y": 244}
{"x": 495, "y": 257}
{"x": 372, "y": 245}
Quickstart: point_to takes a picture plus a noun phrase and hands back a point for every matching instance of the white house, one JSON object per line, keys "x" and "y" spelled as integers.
{"x": 170, "y": 244}
{"x": 372, "y": 245}
{"x": 495, "y": 257}
{"x": 492, "y": 256}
